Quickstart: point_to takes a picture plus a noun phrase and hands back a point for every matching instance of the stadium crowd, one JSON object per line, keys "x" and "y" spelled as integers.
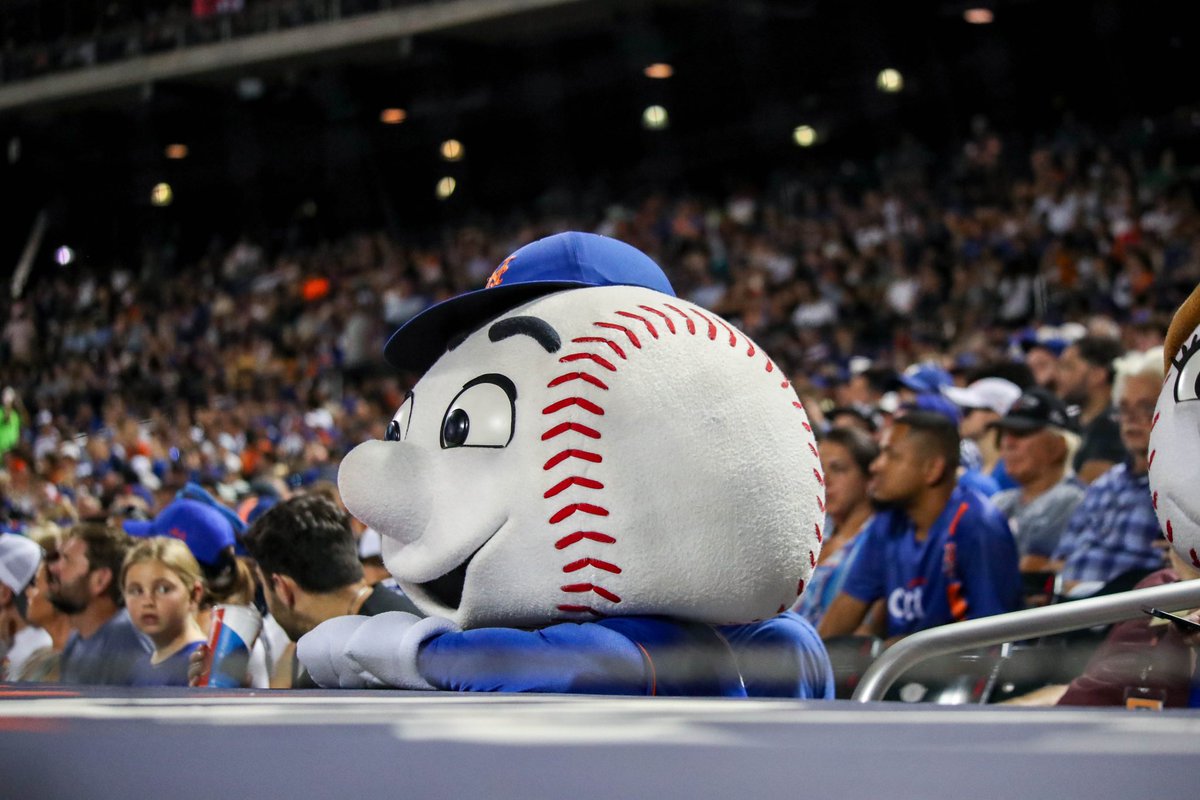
{"x": 988, "y": 323}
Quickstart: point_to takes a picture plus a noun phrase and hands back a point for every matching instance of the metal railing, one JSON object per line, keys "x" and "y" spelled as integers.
{"x": 1017, "y": 626}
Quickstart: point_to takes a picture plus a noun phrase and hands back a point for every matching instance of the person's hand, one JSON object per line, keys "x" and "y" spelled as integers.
{"x": 196, "y": 664}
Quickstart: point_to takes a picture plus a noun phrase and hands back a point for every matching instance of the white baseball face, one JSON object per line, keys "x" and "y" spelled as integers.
{"x": 596, "y": 452}
{"x": 1174, "y": 447}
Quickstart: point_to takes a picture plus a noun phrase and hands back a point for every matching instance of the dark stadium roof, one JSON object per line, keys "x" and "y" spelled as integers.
{"x": 555, "y": 99}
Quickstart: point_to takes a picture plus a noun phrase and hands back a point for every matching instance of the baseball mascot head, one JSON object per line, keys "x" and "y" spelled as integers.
{"x": 1175, "y": 435}
{"x": 584, "y": 451}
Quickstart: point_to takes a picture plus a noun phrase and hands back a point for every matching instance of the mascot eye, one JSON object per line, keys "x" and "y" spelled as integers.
{"x": 1186, "y": 382}
{"x": 482, "y": 415}
{"x": 397, "y": 429}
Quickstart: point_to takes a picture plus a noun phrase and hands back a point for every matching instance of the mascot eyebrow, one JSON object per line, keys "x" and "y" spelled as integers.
{"x": 534, "y": 327}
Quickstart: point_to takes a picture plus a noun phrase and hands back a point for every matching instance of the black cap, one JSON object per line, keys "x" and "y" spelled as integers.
{"x": 1038, "y": 408}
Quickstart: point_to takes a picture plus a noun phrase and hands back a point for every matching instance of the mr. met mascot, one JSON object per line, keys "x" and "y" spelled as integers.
{"x": 595, "y": 487}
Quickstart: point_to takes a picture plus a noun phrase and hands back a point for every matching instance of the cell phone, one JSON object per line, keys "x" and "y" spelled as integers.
{"x": 1181, "y": 624}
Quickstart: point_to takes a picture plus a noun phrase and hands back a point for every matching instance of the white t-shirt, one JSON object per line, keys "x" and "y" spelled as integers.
{"x": 28, "y": 641}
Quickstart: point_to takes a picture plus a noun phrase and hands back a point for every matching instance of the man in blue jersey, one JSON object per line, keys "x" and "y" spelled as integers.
{"x": 938, "y": 553}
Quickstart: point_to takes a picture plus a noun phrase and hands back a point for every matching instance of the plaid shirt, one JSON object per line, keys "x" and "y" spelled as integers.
{"x": 1112, "y": 531}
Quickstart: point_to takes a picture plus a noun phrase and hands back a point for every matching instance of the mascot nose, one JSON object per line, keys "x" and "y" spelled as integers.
{"x": 385, "y": 484}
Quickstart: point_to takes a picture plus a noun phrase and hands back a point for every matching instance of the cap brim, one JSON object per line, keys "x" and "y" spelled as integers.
{"x": 139, "y": 527}
{"x": 1019, "y": 425}
{"x": 963, "y": 397}
{"x": 421, "y": 341}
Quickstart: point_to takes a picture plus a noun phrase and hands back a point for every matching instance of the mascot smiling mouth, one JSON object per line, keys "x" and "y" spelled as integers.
{"x": 447, "y": 590}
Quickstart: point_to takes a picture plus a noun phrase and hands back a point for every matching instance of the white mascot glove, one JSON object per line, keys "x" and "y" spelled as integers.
{"x": 368, "y": 652}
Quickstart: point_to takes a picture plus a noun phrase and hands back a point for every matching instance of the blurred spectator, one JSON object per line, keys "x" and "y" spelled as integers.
{"x": 308, "y": 565}
{"x": 1114, "y": 534}
{"x": 163, "y": 587}
{"x": 982, "y": 403}
{"x": 85, "y": 585}
{"x": 1038, "y": 436}
{"x": 20, "y": 559}
{"x": 10, "y": 420}
{"x": 846, "y": 457}
{"x": 1144, "y": 662}
{"x": 43, "y": 665}
{"x": 940, "y": 553}
{"x": 1085, "y": 379}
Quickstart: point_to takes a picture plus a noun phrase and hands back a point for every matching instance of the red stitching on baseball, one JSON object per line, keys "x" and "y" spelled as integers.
{"x": 813, "y": 448}
{"x": 817, "y": 475}
{"x": 582, "y": 455}
{"x": 590, "y": 587}
{"x": 1154, "y": 501}
{"x": 665, "y": 318}
{"x": 821, "y": 506}
{"x": 691, "y": 326}
{"x": 589, "y": 356}
{"x": 586, "y": 405}
{"x": 812, "y": 559}
{"x": 781, "y": 609}
{"x": 751, "y": 351}
{"x": 1157, "y": 414}
{"x": 600, "y": 340}
{"x": 732, "y": 337}
{"x": 817, "y": 526}
{"x": 575, "y": 566}
{"x": 574, "y": 480}
{"x": 807, "y": 427}
{"x": 582, "y": 508}
{"x": 579, "y": 536}
{"x": 798, "y": 405}
{"x": 1170, "y": 532}
{"x": 1195, "y": 558}
{"x": 580, "y": 610}
{"x": 784, "y": 385}
{"x": 566, "y": 427}
{"x": 800, "y": 587}
{"x": 770, "y": 366}
{"x": 612, "y": 326}
{"x": 641, "y": 319}
{"x": 712, "y": 328}
{"x": 578, "y": 376}
{"x": 1150, "y": 463}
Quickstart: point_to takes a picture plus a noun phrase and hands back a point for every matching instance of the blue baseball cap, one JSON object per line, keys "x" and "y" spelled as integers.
{"x": 936, "y": 404}
{"x": 570, "y": 260}
{"x": 204, "y": 529}
{"x": 924, "y": 378}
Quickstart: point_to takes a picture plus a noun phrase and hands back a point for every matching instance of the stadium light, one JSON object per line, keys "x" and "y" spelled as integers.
{"x": 393, "y": 116}
{"x": 161, "y": 195}
{"x": 446, "y": 187}
{"x": 890, "y": 81}
{"x": 979, "y": 16}
{"x": 452, "y": 150}
{"x": 659, "y": 71}
{"x": 654, "y": 118}
{"x": 177, "y": 151}
{"x": 805, "y": 135}
{"x": 64, "y": 256}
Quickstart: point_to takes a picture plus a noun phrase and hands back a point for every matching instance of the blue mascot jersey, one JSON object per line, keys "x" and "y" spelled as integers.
{"x": 633, "y": 656}
{"x": 966, "y": 568}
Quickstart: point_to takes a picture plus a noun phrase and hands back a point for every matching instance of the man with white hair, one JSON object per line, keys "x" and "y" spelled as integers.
{"x": 1114, "y": 532}
{"x": 1037, "y": 438}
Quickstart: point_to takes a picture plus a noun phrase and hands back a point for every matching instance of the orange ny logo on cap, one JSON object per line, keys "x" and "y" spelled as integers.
{"x": 498, "y": 276}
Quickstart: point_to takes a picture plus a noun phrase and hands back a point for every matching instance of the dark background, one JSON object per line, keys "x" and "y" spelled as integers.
{"x": 548, "y": 107}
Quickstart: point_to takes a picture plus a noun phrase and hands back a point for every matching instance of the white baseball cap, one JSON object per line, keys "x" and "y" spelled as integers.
{"x": 993, "y": 394}
{"x": 19, "y": 560}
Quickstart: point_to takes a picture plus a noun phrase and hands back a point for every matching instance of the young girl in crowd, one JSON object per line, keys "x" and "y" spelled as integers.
{"x": 163, "y": 588}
